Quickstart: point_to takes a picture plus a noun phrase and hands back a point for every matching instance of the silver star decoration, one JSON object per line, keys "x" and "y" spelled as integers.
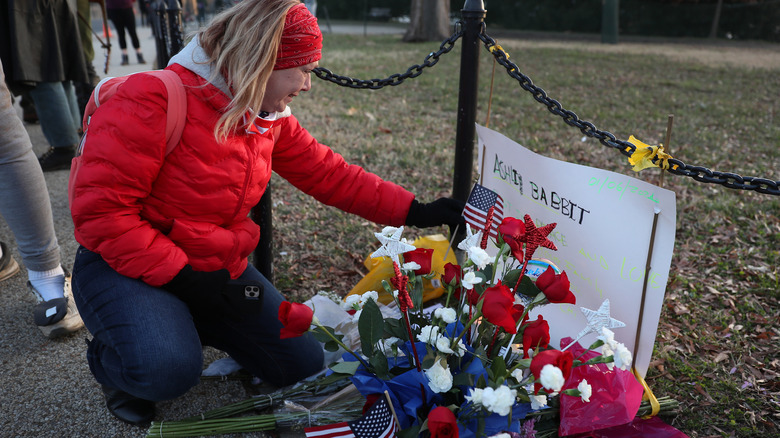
{"x": 392, "y": 245}
{"x": 598, "y": 319}
{"x": 471, "y": 239}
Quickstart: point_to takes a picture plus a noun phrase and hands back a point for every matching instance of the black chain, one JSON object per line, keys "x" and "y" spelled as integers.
{"x": 677, "y": 167}
{"x": 395, "y": 79}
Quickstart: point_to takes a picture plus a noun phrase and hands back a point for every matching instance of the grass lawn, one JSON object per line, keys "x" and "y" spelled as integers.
{"x": 716, "y": 349}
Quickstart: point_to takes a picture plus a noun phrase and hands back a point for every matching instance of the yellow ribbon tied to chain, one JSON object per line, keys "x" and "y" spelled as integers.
{"x": 648, "y": 156}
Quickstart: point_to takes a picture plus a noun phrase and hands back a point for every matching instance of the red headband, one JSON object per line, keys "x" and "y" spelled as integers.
{"x": 301, "y": 39}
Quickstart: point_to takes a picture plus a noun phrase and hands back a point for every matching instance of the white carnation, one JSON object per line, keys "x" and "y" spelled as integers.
{"x": 411, "y": 266}
{"x": 475, "y": 396}
{"x": 538, "y": 401}
{"x": 551, "y": 378}
{"x": 585, "y": 390}
{"x": 389, "y": 231}
{"x": 439, "y": 378}
{"x": 350, "y": 301}
{"x": 370, "y": 295}
{"x": 429, "y": 334}
{"x": 622, "y": 357}
{"x": 517, "y": 375}
{"x": 499, "y": 401}
{"x": 608, "y": 336}
{"x": 446, "y": 314}
{"x": 501, "y": 435}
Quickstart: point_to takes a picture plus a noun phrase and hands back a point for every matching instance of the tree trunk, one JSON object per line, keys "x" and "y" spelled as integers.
{"x": 430, "y": 21}
{"x": 716, "y": 20}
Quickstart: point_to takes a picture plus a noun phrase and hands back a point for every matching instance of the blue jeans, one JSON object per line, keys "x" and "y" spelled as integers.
{"x": 146, "y": 342}
{"x": 58, "y": 111}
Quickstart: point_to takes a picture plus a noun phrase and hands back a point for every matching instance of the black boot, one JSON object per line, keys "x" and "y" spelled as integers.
{"x": 57, "y": 158}
{"x": 125, "y": 60}
{"x": 127, "y": 408}
{"x": 140, "y": 56}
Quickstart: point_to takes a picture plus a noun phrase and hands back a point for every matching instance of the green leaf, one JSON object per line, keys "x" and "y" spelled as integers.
{"x": 395, "y": 327}
{"x": 510, "y": 279}
{"x": 411, "y": 432}
{"x": 463, "y": 379}
{"x": 321, "y": 335}
{"x": 332, "y": 345}
{"x": 498, "y": 368}
{"x": 379, "y": 362}
{"x": 528, "y": 287}
{"x": 346, "y": 367}
{"x": 371, "y": 326}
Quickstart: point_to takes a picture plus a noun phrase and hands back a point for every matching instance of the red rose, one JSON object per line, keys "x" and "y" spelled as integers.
{"x": 561, "y": 359}
{"x": 555, "y": 287}
{"x": 296, "y": 318}
{"x": 442, "y": 423}
{"x": 452, "y": 275}
{"x": 517, "y": 311}
{"x": 536, "y": 335}
{"x": 421, "y": 256}
{"x": 370, "y": 400}
{"x": 497, "y": 307}
{"x": 513, "y": 232}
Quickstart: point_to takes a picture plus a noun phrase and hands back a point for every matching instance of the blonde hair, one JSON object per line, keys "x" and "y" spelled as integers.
{"x": 242, "y": 43}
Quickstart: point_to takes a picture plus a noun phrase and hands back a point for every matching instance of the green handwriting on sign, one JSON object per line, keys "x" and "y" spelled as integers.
{"x": 620, "y": 187}
{"x": 634, "y": 274}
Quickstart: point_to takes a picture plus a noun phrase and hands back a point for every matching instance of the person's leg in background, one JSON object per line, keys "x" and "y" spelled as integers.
{"x": 26, "y": 208}
{"x": 117, "y": 17}
{"x": 60, "y": 118}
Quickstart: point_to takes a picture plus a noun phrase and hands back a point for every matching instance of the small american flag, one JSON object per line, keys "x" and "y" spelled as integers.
{"x": 378, "y": 422}
{"x": 476, "y": 210}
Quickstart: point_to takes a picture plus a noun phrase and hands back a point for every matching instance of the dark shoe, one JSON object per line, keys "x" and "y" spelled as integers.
{"x": 57, "y": 158}
{"x": 127, "y": 408}
{"x": 8, "y": 266}
{"x": 125, "y": 60}
{"x": 141, "y": 59}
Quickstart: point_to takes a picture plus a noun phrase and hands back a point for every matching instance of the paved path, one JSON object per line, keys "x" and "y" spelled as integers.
{"x": 46, "y": 389}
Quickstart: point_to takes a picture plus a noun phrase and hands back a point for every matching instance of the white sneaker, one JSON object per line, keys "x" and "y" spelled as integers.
{"x": 57, "y": 317}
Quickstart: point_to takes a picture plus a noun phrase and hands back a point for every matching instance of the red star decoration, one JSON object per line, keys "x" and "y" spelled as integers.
{"x": 536, "y": 237}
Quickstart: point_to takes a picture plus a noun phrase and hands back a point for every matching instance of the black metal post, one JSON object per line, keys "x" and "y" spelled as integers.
{"x": 166, "y": 27}
{"x": 473, "y": 16}
{"x": 264, "y": 252}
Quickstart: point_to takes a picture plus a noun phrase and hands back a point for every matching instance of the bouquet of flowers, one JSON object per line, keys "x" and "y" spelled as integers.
{"x": 476, "y": 364}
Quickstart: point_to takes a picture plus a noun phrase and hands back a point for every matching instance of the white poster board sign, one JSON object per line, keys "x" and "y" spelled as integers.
{"x": 605, "y": 222}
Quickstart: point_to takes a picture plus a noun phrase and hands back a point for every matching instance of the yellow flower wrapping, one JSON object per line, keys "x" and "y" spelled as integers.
{"x": 647, "y": 156}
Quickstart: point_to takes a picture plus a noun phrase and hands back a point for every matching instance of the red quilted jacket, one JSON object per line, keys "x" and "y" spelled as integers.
{"x": 148, "y": 214}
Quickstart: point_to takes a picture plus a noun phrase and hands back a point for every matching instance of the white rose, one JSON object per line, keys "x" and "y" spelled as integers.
{"x": 585, "y": 390}
{"x": 439, "y": 378}
{"x": 479, "y": 256}
{"x": 469, "y": 280}
{"x": 551, "y": 378}
{"x": 446, "y": 314}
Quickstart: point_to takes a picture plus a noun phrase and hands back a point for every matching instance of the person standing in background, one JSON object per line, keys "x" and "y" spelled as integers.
{"x": 42, "y": 58}
{"x": 121, "y": 13}
{"x": 25, "y": 205}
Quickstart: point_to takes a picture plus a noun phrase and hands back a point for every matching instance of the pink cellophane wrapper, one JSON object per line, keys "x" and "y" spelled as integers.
{"x": 652, "y": 427}
{"x": 615, "y": 399}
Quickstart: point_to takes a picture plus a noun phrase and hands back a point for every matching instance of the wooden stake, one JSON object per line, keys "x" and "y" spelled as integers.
{"x": 644, "y": 285}
{"x": 392, "y": 409}
{"x": 666, "y": 145}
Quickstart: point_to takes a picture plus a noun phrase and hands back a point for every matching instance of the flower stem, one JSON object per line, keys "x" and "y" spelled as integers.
{"x": 341, "y": 344}
{"x": 411, "y": 340}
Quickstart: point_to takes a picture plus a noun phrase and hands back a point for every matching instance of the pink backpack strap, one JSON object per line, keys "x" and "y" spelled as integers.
{"x": 177, "y": 107}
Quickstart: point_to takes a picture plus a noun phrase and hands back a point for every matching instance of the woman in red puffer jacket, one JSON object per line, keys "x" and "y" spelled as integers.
{"x": 162, "y": 268}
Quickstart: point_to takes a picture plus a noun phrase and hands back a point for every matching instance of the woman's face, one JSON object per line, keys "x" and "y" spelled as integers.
{"x": 285, "y": 84}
